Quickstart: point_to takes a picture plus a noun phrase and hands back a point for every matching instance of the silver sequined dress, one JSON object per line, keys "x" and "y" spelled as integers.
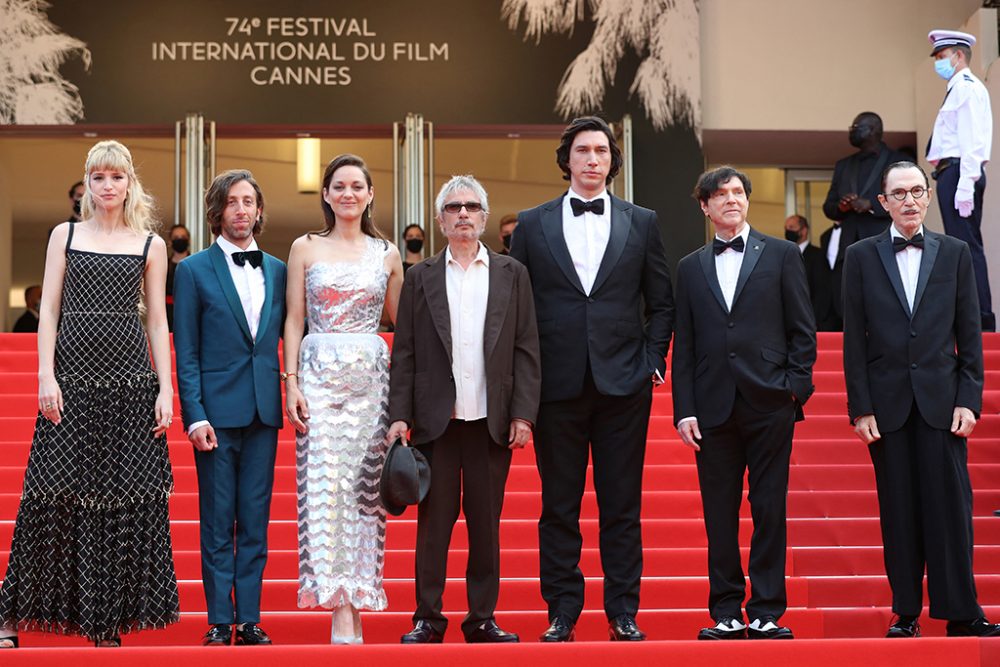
{"x": 344, "y": 376}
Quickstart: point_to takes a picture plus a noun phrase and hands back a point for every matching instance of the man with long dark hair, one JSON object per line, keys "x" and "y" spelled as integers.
{"x": 595, "y": 261}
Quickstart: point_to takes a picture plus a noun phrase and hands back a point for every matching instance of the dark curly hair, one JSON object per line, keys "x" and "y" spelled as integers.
{"x": 587, "y": 124}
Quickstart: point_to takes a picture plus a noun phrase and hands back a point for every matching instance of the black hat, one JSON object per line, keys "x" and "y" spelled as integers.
{"x": 406, "y": 478}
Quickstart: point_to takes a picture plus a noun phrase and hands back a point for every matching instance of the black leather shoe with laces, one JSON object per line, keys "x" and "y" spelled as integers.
{"x": 904, "y": 626}
{"x": 977, "y": 628}
{"x": 251, "y": 635}
{"x": 559, "y": 630}
{"x": 218, "y": 635}
{"x": 422, "y": 633}
{"x": 622, "y": 628}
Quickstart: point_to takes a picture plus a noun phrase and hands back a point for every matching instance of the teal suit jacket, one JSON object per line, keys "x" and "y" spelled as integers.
{"x": 224, "y": 376}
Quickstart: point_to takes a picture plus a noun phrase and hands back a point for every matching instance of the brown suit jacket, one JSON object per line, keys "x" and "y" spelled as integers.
{"x": 421, "y": 386}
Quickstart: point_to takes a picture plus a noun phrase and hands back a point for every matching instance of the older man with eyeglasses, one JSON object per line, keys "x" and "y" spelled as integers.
{"x": 465, "y": 382}
{"x": 913, "y": 360}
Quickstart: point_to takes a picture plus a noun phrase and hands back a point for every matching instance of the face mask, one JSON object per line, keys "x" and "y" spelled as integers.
{"x": 414, "y": 245}
{"x": 76, "y": 207}
{"x": 179, "y": 244}
{"x": 792, "y": 236}
{"x": 506, "y": 241}
{"x": 859, "y": 135}
{"x": 944, "y": 68}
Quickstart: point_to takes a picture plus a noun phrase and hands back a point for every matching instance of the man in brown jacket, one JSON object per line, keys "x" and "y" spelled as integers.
{"x": 465, "y": 382}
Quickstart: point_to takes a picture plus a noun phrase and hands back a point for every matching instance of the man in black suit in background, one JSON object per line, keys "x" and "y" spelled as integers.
{"x": 595, "y": 262}
{"x": 817, "y": 273}
{"x": 913, "y": 360}
{"x": 744, "y": 350}
{"x": 852, "y": 202}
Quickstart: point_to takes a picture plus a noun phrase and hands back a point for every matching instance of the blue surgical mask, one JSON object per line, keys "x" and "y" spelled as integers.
{"x": 944, "y": 68}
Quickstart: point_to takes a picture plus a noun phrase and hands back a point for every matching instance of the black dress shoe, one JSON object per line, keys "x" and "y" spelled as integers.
{"x": 561, "y": 630}
{"x": 251, "y": 635}
{"x": 218, "y": 635}
{"x": 422, "y": 633}
{"x": 727, "y": 627}
{"x": 977, "y": 628}
{"x": 491, "y": 633}
{"x": 622, "y": 628}
{"x": 766, "y": 627}
{"x": 904, "y": 626}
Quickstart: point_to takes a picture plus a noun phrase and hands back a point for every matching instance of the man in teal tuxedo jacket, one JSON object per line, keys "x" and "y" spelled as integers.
{"x": 229, "y": 307}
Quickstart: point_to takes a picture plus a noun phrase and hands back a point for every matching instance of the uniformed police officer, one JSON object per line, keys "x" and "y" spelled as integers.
{"x": 959, "y": 147}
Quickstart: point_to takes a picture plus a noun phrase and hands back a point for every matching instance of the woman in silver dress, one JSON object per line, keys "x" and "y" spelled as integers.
{"x": 340, "y": 280}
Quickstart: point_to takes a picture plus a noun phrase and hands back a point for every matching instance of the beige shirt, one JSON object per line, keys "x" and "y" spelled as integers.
{"x": 468, "y": 293}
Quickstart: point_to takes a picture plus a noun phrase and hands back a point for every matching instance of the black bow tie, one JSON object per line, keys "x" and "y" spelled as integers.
{"x": 255, "y": 257}
{"x": 579, "y": 206}
{"x": 899, "y": 243}
{"x": 720, "y": 246}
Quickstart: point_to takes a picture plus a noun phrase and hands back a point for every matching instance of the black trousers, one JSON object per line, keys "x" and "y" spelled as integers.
{"x": 925, "y": 506}
{"x": 760, "y": 445}
{"x": 468, "y": 470}
{"x": 967, "y": 229}
{"x": 612, "y": 429}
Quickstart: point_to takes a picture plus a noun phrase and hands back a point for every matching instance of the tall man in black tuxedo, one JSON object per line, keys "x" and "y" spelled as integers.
{"x": 852, "y": 201}
{"x": 594, "y": 262}
{"x": 913, "y": 359}
{"x": 742, "y": 370}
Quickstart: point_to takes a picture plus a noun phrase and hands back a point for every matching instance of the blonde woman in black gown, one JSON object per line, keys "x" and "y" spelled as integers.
{"x": 91, "y": 552}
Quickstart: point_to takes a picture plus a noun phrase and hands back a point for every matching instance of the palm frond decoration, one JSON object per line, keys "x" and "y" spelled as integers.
{"x": 664, "y": 33}
{"x": 32, "y": 91}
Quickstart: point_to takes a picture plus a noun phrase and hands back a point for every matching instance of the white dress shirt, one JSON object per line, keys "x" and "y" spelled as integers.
{"x": 586, "y": 237}
{"x": 908, "y": 261}
{"x": 802, "y": 246}
{"x": 834, "y": 248}
{"x": 249, "y": 283}
{"x": 727, "y": 270}
{"x": 727, "y": 266}
{"x": 468, "y": 293}
{"x": 964, "y": 129}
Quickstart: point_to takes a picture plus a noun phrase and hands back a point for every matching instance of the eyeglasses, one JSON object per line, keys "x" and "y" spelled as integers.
{"x": 456, "y": 206}
{"x": 917, "y": 191}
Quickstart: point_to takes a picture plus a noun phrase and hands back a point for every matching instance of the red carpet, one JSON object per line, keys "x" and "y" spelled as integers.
{"x": 837, "y": 592}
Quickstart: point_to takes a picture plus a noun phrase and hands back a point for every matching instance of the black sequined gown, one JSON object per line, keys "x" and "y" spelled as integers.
{"x": 91, "y": 553}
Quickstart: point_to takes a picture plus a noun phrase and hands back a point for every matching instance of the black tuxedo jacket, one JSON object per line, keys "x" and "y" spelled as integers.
{"x": 623, "y": 328}
{"x": 421, "y": 385}
{"x": 820, "y": 283}
{"x": 932, "y": 355}
{"x": 764, "y": 347}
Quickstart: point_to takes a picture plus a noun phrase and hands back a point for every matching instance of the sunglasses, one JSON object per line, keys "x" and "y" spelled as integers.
{"x": 456, "y": 206}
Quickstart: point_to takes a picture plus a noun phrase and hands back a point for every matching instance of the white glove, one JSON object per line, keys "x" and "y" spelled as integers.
{"x": 963, "y": 198}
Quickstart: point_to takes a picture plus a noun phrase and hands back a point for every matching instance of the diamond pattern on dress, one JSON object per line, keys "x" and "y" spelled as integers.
{"x": 344, "y": 375}
{"x": 91, "y": 552}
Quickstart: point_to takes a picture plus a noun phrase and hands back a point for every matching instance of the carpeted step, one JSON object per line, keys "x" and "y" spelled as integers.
{"x": 655, "y": 503}
{"x": 657, "y": 561}
{"x": 523, "y": 533}
{"x": 313, "y": 628}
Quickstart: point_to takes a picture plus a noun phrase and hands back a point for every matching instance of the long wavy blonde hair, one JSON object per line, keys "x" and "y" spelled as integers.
{"x": 140, "y": 208}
